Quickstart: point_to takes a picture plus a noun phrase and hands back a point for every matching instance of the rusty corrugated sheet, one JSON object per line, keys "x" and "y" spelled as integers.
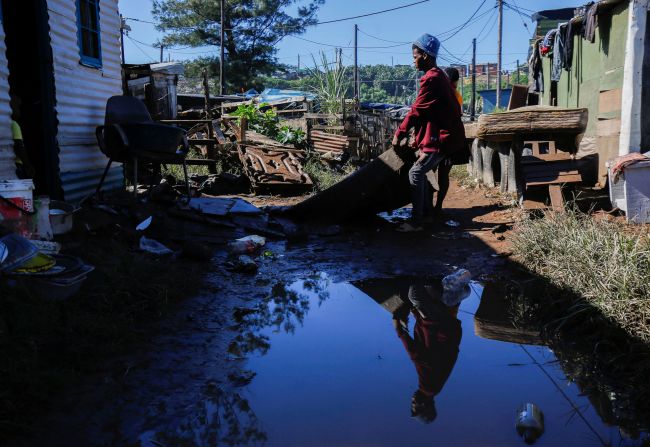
{"x": 81, "y": 91}
{"x": 7, "y": 166}
{"x": 274, "y": 170}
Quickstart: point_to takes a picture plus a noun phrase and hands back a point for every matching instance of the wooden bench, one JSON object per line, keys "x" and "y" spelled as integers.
{"x": 552, "y": 169}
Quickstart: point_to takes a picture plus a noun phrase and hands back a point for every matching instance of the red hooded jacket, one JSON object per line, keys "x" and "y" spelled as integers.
{"x": 436, "y": 116}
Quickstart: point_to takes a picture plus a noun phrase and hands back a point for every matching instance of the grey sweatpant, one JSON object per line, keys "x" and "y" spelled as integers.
{"x": 420, "y": 197}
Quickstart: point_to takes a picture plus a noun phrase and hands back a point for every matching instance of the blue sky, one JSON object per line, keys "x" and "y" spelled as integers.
{"x": 404, "y": 25}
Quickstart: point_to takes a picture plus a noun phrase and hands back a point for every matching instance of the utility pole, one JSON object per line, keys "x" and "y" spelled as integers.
{"x": 298, "y": 62}
{"x": 472, "y": 105}
{"x": 517, "y": 71}
{"x": 356, "y": 66}
{"x": 162, "y": 48}
{"x": 488, "y": 76}
{"x": 123, "y": 27}
{"x": 222, "y": 80}
{"x": 392, "y": 61}
{"x": 500, "y": 2}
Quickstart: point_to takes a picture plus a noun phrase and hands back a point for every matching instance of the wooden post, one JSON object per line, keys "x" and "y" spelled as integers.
{"x": 243, "y": 126}
{"x": 206, "y": 93}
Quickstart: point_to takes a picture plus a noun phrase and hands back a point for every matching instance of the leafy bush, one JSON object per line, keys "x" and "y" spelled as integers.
{"x": 263, "y": 119}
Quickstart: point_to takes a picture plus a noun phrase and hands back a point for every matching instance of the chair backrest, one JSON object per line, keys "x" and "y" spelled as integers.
{"x": 126, "y": 109}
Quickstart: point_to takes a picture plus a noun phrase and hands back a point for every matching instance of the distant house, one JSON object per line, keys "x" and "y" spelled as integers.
{"x": 609, "y": 77}
{"x": 61, "y": 59}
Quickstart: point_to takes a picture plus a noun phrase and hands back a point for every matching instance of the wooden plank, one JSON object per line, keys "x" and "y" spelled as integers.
{"x": 571, "y": 178}
{"x": 518, "y": 97}
{"x": 557, "y": 201}
{"x": 302, "y": 109}
{"x": 328, "y": 127}
{"x": 323, "y": 116}
{"x": 610, "y": 101}
{"x": 606, "y": 128}
{"x": 546, "y": 158}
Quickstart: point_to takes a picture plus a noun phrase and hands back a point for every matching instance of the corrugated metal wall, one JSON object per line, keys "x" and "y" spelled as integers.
{"x": 7, "y": 165}
{"x": 81, "y": 92}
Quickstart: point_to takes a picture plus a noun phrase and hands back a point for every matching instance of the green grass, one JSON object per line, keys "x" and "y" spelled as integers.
{"x": 604, "y": 264}
{"x": 323, "y": 176}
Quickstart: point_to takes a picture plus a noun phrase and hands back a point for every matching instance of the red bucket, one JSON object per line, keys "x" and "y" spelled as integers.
{"x": 16, "y": 206}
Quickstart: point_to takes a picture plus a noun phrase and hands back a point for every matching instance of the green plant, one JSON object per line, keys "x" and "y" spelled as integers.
{"x": 331, "y": 83}
{"x": 289, "y": 135}
{"x": 603, "y": 263}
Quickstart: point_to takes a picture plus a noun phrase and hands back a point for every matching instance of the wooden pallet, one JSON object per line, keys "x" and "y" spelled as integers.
{"x": 553, "y": 170}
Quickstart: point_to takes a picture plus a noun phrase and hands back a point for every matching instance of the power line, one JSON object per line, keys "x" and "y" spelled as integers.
{"x": 139, "y": 48}
{"x": 343, "y": 46}
{"x": 379, "y": 38}
{"x": 466, "y": 22}
{"x": 372, "y": 13}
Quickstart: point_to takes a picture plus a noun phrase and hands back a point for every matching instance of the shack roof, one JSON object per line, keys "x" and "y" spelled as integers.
{"x": 553, "y": 14}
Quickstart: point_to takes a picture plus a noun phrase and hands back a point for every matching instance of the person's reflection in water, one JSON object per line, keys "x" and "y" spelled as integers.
{"x": 433, "y": 347}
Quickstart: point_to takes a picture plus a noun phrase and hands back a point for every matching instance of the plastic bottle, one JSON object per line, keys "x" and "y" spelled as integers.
{"x": 457, "y": 280}
{"x": 530, "y": 422}
{"x": 43, "y": 227}
{"x": 246, "y": 245}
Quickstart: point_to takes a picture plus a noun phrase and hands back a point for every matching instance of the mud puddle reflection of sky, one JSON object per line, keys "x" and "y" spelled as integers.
{"x": 330, "y": 369}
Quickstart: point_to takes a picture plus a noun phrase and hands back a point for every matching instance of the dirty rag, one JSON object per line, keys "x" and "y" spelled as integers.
{"x": 622, "y": 162}
{"x": 591, "y": 22}
{"x": 535, "y": 67}
{"x": 558, "y": 52}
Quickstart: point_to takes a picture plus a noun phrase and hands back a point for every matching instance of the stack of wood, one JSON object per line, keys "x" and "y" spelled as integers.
{"x": 324, "y": 142}
{"x": 532, "y": 120}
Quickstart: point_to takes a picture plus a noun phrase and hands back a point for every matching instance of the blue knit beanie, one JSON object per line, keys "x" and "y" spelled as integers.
{"x": 428, "y": 44}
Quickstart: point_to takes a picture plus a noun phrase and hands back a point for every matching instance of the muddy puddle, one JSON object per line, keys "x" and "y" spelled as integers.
{"x": 326, "y": 365}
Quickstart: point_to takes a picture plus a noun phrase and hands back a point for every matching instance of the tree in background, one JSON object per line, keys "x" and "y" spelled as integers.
{"x": 252, "y": 30}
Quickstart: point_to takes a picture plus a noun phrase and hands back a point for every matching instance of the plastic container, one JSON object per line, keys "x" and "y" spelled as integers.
{"x": 61, "y": 216}
{"x": 43, "y": 228}
{"x": 17, "y": 217}
{"x": 530, "y": 422}
{"x": 246, "y": 245}
{"x": 456, "y": 281}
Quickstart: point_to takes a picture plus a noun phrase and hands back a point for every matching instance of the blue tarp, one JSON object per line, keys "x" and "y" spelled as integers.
{"x": 275, "y": 94}
{"x": 380, "y": 106}
{"x": 490, "y": 99}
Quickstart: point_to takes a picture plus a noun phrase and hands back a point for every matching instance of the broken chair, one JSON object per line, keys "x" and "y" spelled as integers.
{"x": 129, "y": 135}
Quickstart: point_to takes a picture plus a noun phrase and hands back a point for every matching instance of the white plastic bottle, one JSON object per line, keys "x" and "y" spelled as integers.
{"x": 530, "y": 422}
{"x": 43, "y": 227}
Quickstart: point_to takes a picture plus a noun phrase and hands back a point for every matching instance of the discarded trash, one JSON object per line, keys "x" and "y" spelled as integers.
{"x": 242, "y": 263}
{"x": 504, "y": 254}
{"x": 153, "y": 246}
{"x": 20, "y": 250}
{"x": 457, "y": 280}
{"x": 452, "y": 223}
{"x": 530, "y": 422}
{"x": 455, "y": 287}
{"x": 47, "y": 247}
{"x": 246, "y": 245}
{"x": 218, "y": 206}
{"x": 144, "y": 224}
{"x": 501, "y": 228}
{"x": 43, "y": 226}
{"x": 4, "y": 252}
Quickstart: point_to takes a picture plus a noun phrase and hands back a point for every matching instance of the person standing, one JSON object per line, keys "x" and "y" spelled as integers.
{"x": 435, "y": 117}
